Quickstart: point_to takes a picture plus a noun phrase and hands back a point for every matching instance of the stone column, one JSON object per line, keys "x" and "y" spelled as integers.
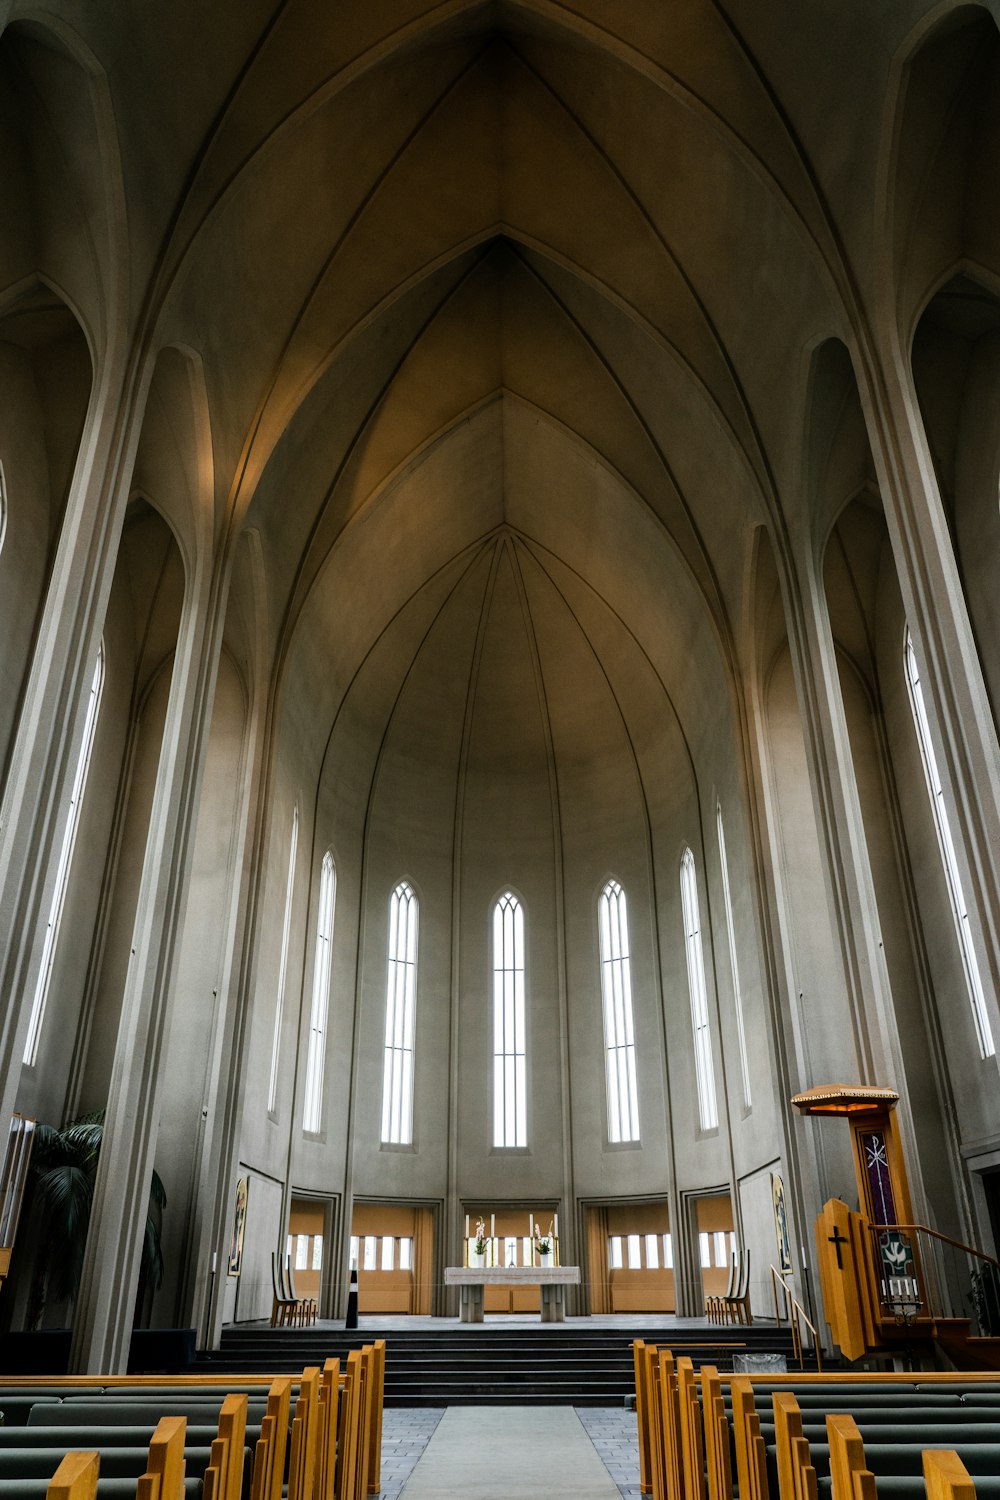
{"x": 962, "y": 727}
{"x": 44, "y": 759}
{"x": 103, "y": 1322}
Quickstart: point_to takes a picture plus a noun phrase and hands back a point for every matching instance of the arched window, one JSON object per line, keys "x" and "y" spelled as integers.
{"x": 65, "y": 859}
{"x": 312, "y": 1113}
{"x": 946, "y": 843}
{"x": 286, "y": 927}
{"x": 400, "y": 1005}
{"x": 510, "y": 1097}
{"x": 733, "y": 963}
{"x": 619, "y": 1030}
{"x": 703, "y": 1070}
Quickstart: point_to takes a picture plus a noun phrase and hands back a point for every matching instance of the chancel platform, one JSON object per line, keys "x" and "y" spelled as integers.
{"x": 472, "y": 1279}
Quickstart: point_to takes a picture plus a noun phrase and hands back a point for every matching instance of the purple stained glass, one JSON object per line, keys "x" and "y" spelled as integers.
{"x": 883, "y": 1204}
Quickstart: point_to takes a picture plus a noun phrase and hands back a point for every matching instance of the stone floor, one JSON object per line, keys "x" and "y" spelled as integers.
{"x": 517, "y": 1450}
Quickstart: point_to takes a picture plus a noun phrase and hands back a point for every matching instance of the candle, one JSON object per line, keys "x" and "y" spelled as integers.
{"x": 555, "y": 1222}
{"x": 493, "y": 1226}
{"x": 215, "y": 1261}
{"x": 467, "y": 1226}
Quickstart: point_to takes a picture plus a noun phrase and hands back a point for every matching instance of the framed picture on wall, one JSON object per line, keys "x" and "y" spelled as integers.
{"x": 239, "y": 1227}
{"x": 781, "y": 1224}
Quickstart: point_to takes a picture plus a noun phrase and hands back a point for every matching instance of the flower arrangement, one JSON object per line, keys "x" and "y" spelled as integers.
{"x": 480, "y": 1244}
{"x": 543, "y": 1242}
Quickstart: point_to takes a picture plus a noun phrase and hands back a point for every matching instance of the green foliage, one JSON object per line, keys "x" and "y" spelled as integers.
{"x": 63, "y": 1171}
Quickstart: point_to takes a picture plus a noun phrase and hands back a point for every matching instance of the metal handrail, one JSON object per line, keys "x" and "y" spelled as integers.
{"x": 932, "y": 1277}
{"x": 945, "y": 1238}
{"x": 796, "y": 1315}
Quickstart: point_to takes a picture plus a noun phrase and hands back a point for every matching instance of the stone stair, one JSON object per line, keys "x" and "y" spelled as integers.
{"x": 570, "y": 1364}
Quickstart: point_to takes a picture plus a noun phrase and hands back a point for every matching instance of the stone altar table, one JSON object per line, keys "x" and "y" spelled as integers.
{"x": 472, "y": 1279}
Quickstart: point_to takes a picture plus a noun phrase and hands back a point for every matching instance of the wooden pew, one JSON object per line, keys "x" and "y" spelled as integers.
{"x": 849, "y": 1478}
{"x": 945, "y": 1476}
{"x": 75, "y": 1478}
{"x": 164, "y": 1476}
{"x": 692, "y": 1444}
{"x": 375, "y": 1435}
{"x": 715, "y": 1424}
{"x": 751, "y": 1456}
{"x": 349, "y": 1426}
{"x": 796, "y": 1475}
{"x": 269, "y": 1455}
{"x": 224, "y": 1475}
{"x": 670, "y": 1428}
{"x": 642, "y": 1414}
{"x": 305, "y": 1433}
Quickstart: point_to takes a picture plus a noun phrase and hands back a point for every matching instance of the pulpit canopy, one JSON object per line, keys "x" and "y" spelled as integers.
{"x": 845, "y": 1099}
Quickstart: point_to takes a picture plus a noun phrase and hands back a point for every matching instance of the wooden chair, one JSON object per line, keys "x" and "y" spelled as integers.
{"x": 282, "y": 1306}
{"x": 269, "y": 1455}
{"x": 736, "y": 1306}
{"x": 305, "y": 1307}
{"x": 75, "y": 1478}
{"x": 164, "y": 1476}
{"x": 716, "y": 1306}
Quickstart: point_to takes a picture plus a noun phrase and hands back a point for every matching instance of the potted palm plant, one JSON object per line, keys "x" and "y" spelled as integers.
{"x": 63, "y": 1172}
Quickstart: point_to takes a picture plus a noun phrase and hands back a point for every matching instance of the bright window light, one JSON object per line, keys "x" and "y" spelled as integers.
{"x": 706, "y": 1251}
{"x": 317, "y": 1255}
{"x": 70, "y": 827}
{"x": 721, "y": 1253}
{"x": 704, "y": 1071}
{"x": 388, "y": 1253}
{"x": 406, "y": 1255}
{"x": 949, "y": 859}
{"x": 371, "y": 1252}
{"x": 652, "y": 1252}
{"x": 634, "y": 1256}
{"x": 615, "y": 1252}
{"x": 286, "y": 927}
{"x": 668, "y": 1253}
{"x": 510, "y": 1106}
{"x": 400, "y": 1006}
{"x": 312, "y": 1113}
{"x": 733, "y": 961}
{"x": 619, "y": 1030}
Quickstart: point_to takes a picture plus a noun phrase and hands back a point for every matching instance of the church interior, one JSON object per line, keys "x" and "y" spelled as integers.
{"x": 500, "y": 601}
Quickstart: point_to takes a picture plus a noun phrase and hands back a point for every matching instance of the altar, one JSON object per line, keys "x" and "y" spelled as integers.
{"x": 550, "y": 1279}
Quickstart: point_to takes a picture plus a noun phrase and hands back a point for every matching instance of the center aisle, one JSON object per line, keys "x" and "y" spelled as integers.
{"x": 494, "y": 1452}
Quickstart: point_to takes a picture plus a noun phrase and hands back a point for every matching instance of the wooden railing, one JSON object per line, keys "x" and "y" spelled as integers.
{"x": 796, "y": 1315}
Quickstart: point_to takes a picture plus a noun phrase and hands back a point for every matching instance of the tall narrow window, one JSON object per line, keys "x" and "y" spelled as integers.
{"x": 65, "y": 859}
{"x": 400, "y": 1001}
{"x": 619, "y": 1032}
{"x": 312, "y": 1114}
{"x": 286, "y": 925}
{"x": 703, "y": 1069}
{"x": 510, "y": 1100}
{"x": 733, "y": 964}
{"x": 973, "y": 979}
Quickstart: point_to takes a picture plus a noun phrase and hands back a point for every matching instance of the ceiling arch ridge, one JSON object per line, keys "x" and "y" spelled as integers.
{"x": 295, "y": 115}
{"x": 349, "y": 451}
{"x": 243, "y": 465}
{"x": 281, "y": 417}
{"x": 466, "y": 559}
{"x": 706, "y": 317}
{"x": 421, "y": 31}
{"x": 534, "y": 549}
{"x": 419, "y": 456}
{"x": 661, "y": 455}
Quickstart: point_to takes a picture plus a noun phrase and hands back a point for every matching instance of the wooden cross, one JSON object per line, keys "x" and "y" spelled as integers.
{"x": 836, "y": 1239}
